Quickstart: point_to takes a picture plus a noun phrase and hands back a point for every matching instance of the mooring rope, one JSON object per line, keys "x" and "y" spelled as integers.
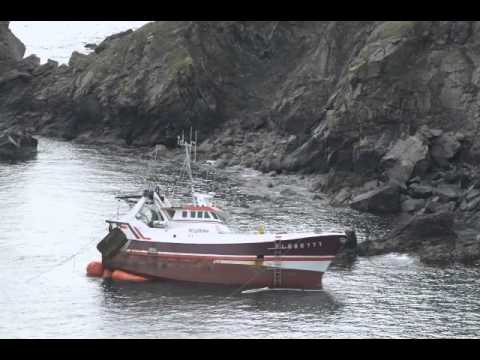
{"x": 64, "y": 261}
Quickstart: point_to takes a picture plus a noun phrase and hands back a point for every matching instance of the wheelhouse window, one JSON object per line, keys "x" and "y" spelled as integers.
{"x": 206, "y": 215}
{"x": 192, "y": 214}
{"x": 200, "y": 214}
{"x": 184, "y": 214}
{"x": 214, "y": 216}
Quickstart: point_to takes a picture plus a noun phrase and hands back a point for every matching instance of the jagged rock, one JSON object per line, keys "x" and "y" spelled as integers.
{"x": 418, "y": 191}
{"x": 79, "y": 61}
{"x": 412, "y": 205}
{"x": 341, "y": 197}
{"x": 17, "y": 145}
{"x": 419, "y": 233}
{"x": 401, "y": 160}
{"x": 447, "y": 192}
{"x": 11, "y": 48}
{"x": 318, "y": 184}
{"x": 289, "y": 192}
{"x": 90, "y": 46}
{"x": 435, "y": 206}
{"x": 429, "y": 133}
{"x": 472, "y": 193}
{"x": 14, "y": 75}
{"x": 385, "y": 199}
{"x": 444, "y": 148}
{"x": 470, "y": 204}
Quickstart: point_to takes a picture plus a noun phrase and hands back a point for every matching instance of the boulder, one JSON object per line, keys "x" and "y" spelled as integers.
{"x": 447, "y": 192}
{"x": 79, "y": 61}
{"x": 399, "y": 163}
{"x": 17, "y": 145}
{"x": 412, "y": 205}
{"x": 385, "y": 199}
{"x": 435, "y": 206}
{"x": 418, "y": 191}
{"x": 341, "y": 197}
{"x": 444, "y": 148}
{"x": 417, "y": 233}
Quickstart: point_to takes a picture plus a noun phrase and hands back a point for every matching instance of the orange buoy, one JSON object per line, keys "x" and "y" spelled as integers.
{"x": 95, "y": 269}
{"x": 121, "y": 275}
{"x": 107, "y": 274}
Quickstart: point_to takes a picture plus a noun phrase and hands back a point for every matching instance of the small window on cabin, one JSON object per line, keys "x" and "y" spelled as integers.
{"x": 192, "y": 214}
{"x": 206, "y": 215}
{"x": 199, "y": 214}
{"x": 214, "y": 215}
{"x": 184, "y": 214}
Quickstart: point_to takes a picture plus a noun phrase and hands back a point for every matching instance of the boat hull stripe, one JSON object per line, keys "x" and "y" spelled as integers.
{"x": 230, "y": 257}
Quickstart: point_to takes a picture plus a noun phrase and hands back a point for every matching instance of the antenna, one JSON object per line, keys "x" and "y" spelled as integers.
{"x": 195, "y": 158}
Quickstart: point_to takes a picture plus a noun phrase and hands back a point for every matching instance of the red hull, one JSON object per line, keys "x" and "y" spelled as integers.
{"x": 205, "y": 271}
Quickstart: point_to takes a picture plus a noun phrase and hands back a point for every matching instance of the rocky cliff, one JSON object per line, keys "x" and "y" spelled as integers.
{"x": 385, "y": 113}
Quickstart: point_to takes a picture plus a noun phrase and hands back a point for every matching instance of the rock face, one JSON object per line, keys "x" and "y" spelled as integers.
{"x": 11, "y": 49}
{"x": 393, "y": 102}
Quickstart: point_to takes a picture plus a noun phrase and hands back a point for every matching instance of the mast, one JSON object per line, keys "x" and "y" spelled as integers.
{"x": 188, "y": 153}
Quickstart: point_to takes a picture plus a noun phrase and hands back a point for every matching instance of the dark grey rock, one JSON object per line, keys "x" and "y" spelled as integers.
{"x": 447, "y": 192}
{"x": 444, "y": 148}
{"x": 341, "y": 197}
{"x": 401, "y": 160}
{"x": 420, "y": 191}
{"x": 385, "y": 199}
{"x": 412, "y": 205}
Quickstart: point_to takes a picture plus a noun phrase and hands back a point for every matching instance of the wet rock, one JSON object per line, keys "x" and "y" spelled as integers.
{"x": 221, "y": 163}
{"x": 288, "y": 192}
{"x": 419, "y": 233}
{"x": 319, "y": 197}
{"x": 318, "y": 184}
{"x": 341, "y": 197}
{"x": 385, "y": 199}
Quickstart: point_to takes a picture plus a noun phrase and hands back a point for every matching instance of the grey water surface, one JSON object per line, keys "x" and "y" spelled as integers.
{"x": 53, "y": 212}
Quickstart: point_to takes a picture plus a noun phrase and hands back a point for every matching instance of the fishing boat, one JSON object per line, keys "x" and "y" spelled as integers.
{"x": 193, "y": 242}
